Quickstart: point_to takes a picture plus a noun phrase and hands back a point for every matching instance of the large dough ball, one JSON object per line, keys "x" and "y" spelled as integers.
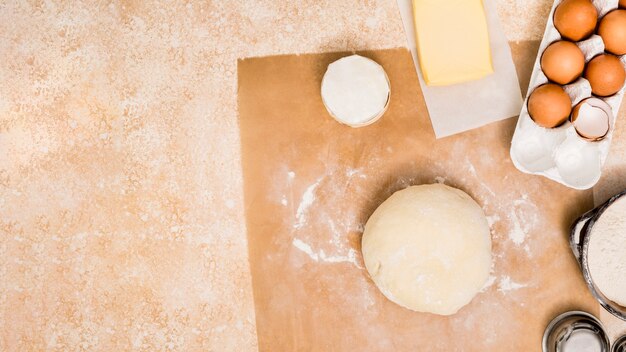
{"x": 428, "y": 248}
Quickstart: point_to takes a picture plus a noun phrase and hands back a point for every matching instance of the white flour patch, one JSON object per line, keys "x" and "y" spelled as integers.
{"x": 492, "y": 219}
{"x": 522, "y": 217}
{"x": 506, "y": 284}
{"x": 517, "y": 234}
{"x": 472, "y": 170}
{"x": 283, "y": 201}
{"x": 490, "y": 281}
{"x": 304, "y": 247}
{"x": 358, "y": 172}
{"x": 291, "y": 175}
{"x": 307, "y": 200}
{"x": 320, "y": 256}
{"x": 522, "y": 201}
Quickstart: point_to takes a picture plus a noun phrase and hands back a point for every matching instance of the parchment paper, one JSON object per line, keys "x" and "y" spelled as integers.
{"x": 461, "y": 107}
{"x": 310, "y": 184}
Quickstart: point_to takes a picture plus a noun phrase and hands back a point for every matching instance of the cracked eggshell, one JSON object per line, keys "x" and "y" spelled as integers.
{"x": 592, "y": 119}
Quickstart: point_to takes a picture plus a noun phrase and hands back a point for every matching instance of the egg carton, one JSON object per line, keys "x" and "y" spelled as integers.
{"x": 560, "y": 154}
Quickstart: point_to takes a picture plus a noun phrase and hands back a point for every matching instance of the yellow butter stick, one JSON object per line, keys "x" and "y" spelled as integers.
{"x": 452, "y": 41}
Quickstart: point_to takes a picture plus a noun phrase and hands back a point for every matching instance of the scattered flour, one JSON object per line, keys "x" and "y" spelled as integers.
{"x": 506, "y": 284}
{"x": 492, "y": 219}
{"x": 490, "y": 281}
{"x": 517, "y": 233}
{"x": 307, "y": 200}
{"x": 472, "y": 170}
{"x": 320, "y": 256}
{"x": 358, "y": 172}
{"x": 523, "y": 200}
{"x": 332, "y": 231}
{"x": 522, "y": 220}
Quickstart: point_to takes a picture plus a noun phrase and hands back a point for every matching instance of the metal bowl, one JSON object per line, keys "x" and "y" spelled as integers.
{"x": 619, "y": 345}
{"x": 570, "y": 329}
{"x": 579, "y": 241}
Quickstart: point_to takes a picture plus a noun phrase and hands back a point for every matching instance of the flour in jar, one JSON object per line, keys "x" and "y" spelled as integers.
{"x": 607, "y": 252}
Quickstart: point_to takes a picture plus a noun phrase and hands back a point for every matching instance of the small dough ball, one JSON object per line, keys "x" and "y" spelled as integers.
{"x": 605, "y": 74}
{"x": 575, "y": 19}
{"x": 428, "y": 248}
{"x": 612, "y": 29}
{"x": 549, "y": 106}
{"x": 562, "y": 62}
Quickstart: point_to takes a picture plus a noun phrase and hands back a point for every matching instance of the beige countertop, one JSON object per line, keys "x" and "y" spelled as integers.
{"x": 121, "y": 203}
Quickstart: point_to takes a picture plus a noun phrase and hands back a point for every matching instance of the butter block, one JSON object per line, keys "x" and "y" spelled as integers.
{"x": 452, "y": 41}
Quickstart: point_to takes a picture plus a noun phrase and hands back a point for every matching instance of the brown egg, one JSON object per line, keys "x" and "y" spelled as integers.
{"x": 606, "y": 75}
{"x": 575, "y": 19}
{"x": 549, "y": 106}
{"x": 612, "y": 29}
{"x": 562, "y": 62}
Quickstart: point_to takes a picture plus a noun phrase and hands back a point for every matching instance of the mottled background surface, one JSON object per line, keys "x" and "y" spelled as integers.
{"x": 121, "y": 216}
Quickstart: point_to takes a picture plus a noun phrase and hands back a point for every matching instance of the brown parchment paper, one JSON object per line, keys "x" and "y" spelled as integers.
{"x": 310, "y": 184}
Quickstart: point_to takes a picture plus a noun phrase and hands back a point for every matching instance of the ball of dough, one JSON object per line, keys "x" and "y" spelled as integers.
{"x": 428, "y": 248}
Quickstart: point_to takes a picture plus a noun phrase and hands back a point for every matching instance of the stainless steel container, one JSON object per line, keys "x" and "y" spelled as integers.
{"x": 619, "y": 345}
{"x": 579, "y": 241}
{"x": 575, "y": 331}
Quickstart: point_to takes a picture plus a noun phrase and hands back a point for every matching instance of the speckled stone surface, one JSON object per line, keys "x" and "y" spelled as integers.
{"x": 121, "y": 215}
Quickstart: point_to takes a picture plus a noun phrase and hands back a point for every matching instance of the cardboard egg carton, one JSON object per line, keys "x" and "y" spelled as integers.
{"x": 560, "y": 154}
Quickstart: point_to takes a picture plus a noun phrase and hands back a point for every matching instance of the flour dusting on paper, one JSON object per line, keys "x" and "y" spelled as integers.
{"x": 307, "y": 200}
{"x": 523, "y": 218}
{"x": 492, "y": 219}
{"x": 490, "y": 281}
{"x": 320, "y": 256}
{"x": 506, "y": 284}
{"x": 331, "y": 223}
{"x": 517, "y": 233}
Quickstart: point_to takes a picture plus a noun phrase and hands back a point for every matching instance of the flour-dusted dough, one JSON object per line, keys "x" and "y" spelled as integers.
{"x": 428, "y": 248}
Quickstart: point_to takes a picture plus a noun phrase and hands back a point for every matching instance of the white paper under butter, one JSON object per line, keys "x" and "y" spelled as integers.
{"x": 465, "y": 106}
